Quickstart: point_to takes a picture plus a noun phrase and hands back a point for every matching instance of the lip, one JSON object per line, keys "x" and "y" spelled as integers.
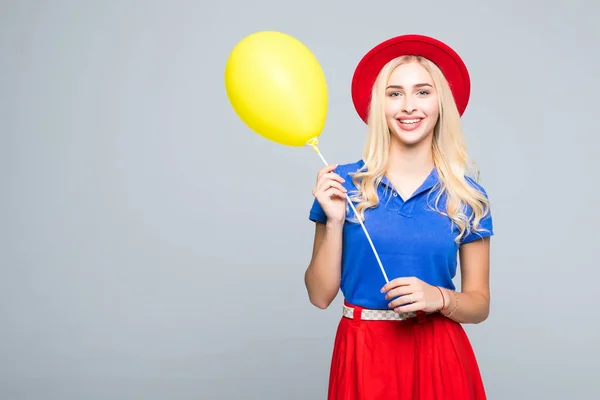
{"x": 409, "y": 127}
{"x": 409, "y": 118}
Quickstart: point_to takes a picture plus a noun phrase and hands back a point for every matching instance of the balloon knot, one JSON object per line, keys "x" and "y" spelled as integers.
{"x": 313, "y": 143}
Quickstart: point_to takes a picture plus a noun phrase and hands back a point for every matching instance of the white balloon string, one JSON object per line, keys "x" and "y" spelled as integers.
{"x": 313, "y": 143}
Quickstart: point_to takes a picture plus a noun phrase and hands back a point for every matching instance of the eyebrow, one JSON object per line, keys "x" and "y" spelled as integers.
{"x": 418, "y": 85}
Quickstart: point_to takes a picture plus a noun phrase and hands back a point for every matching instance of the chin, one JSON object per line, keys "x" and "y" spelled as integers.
{"x": 410, "y": 138}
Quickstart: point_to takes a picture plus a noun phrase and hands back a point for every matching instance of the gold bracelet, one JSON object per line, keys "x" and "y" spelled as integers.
{"x": 455, "y": 306}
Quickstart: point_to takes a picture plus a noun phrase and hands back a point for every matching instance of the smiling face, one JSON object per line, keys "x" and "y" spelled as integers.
{"x": 411, "y": 104}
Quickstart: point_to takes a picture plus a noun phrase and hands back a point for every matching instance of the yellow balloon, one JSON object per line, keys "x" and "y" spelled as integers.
{"x": 277, "y": 87}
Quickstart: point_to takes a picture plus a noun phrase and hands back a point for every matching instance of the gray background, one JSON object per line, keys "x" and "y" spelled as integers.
{"x": 152, "y": 247}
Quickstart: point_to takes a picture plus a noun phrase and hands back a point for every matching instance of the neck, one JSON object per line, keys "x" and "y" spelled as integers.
{"x": 410, "y": 160}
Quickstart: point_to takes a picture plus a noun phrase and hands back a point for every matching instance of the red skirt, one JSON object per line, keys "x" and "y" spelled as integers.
{"x": 425, "y": 357}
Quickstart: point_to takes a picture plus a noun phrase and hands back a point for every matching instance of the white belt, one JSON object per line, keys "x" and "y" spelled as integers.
{"x": 379, "y": 315}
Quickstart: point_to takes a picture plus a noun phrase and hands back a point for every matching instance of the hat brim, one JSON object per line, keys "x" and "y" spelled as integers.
{"x": 449, "y": 62}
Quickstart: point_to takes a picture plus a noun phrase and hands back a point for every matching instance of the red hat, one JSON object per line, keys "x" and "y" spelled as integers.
{"x": 442, "y": 55}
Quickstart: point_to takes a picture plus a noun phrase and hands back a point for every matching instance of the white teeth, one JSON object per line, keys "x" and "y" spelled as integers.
{"x": 410, "y": 121}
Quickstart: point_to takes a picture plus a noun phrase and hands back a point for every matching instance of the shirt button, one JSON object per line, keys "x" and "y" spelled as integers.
{"x": 395, "y": 194}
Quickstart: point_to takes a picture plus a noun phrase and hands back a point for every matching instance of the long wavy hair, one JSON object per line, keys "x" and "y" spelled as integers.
{"x": 449, "y": 154}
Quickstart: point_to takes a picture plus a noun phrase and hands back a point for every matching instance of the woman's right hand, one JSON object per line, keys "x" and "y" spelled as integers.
{"x": 330, "y": 194}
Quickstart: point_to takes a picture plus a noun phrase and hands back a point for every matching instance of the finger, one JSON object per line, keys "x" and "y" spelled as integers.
{"x": 334, "y": 192}
{"x": 329, "y": 184}
{"x": 416, "y": 306}
{"x": 326, "y": 169}
{"x": 395, "y": 283}
{"x": 399, "y": 291}
{"x": 330, "y": 176}
{"x": 406, "y": 299}
{"x": 330, "y": 192}
{"x": 323, "y": 184}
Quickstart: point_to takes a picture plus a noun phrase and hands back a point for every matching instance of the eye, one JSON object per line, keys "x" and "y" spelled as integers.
{"x": 394, "y": 94}
{"x": 424, "y": 92}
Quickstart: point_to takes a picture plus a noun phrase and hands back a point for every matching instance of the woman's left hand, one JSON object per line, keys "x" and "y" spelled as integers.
{"x": 412, "y": 294}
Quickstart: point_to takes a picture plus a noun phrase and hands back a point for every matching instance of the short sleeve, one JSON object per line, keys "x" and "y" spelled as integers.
{"x": 486, "y": 224}
{"x": 316, "y": 213}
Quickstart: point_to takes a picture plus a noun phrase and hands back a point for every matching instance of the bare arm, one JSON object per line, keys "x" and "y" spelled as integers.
{"x": 322, "y": 277}
{"x": 474, "y": 298}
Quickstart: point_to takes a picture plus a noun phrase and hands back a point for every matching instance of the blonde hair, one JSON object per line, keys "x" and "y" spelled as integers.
{"x": 448, "y": 147}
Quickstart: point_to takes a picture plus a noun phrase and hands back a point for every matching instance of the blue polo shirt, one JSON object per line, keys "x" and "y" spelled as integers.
{"x": 411, "y": 238}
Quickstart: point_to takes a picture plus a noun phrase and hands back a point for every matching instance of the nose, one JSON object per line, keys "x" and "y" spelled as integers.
{"x": 409, "y": 105}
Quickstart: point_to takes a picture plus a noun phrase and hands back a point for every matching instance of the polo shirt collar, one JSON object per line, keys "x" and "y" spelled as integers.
{"x": 429, "y": 182}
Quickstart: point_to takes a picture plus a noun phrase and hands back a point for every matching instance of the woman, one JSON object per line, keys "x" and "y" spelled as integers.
{"x": 403, "y": 339}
